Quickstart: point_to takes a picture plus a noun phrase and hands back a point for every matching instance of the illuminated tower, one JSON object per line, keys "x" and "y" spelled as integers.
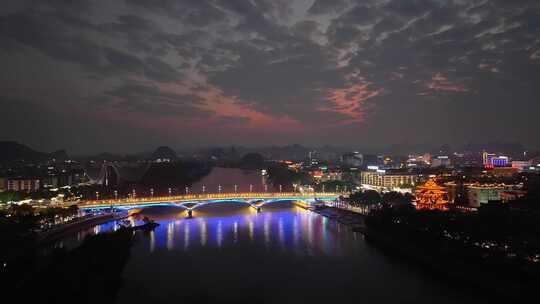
{"x": 486, "y": 158}
{"x": 431, "y": 196}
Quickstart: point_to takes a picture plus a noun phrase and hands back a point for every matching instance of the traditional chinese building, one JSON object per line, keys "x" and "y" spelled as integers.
{"x": 431, "y": 196}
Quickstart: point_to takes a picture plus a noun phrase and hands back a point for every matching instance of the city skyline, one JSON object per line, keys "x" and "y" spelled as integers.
{"x": 132, "y": 75}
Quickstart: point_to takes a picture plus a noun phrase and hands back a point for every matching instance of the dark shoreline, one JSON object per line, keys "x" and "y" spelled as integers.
{"x": 345, "y": 217}
{"x": 60, "y": 232}
{"x": 452, "y": 271}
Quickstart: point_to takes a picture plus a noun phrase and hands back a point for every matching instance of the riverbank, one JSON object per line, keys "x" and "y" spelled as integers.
{"x": 60, "y": 232}
{"x": 345, "y": 217}
{"x": 474, "y": 278}
{"x": 479, "y": 279}
{"x": 89, "y": 273}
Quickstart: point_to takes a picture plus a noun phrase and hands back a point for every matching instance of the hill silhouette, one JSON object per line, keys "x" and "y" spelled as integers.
{"x": 164, "y": 152}
{"x": 11, "y": 151}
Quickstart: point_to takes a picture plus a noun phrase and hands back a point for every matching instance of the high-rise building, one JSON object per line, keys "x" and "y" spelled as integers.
{"x": 427, "y": 158}
{"x": 486, "y": 158}
{"x": 313, "y": 157}
{"x": 499, "y": 161}
{"x": 479, "y": 194}
{"x": 352, "y": 160}
{"x": 521, "y": 164}
{"x": 22, "y": 184}
{"x": 370, "y": 160}
{"x": 494, "y": 160}
{"x": 379, "y": 179}
{"x": 415, "y": 160}
{"x": 441, "y": 161}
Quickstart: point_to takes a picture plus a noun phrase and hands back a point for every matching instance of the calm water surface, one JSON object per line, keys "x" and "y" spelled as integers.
{"x": 229, "y": 253}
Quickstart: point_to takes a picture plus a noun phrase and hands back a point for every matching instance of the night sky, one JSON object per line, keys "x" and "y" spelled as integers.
{"x": 129, "y": 75}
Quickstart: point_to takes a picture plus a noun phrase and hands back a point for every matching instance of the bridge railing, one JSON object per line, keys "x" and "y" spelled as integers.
{"x": 209, "y": 196}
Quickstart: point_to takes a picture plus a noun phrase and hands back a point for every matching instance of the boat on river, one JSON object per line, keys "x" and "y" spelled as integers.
{"x": 148, "y": 225}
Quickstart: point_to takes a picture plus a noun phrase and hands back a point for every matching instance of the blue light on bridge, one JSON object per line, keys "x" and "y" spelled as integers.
{"x": 255, "y": 202}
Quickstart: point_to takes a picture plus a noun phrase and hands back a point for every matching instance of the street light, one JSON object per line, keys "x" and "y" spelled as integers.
{"x": 187, "y": 190}
{"x": 115, "y": 194}
{"x": 133, "y": 193}
{"x": 235, "y": 188}
{"x": 151, "y": 192}
{"x": 280, "y": 188}
{"x": 250, "y": 188}
{"x": 97, "y": 196}
{"x": 170, "y": 192}
{"x": 203, "y": 189}
{"x": 219, "y": 189}
{"x": 323, "y": 188}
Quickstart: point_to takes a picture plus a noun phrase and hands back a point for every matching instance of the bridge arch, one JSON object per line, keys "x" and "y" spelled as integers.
{"x": 191, "y": 202}
{"x": 293, "y": 200}
{"x": 200, "y": 204}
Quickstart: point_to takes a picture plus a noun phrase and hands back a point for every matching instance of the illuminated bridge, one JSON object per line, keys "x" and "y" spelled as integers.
{"x": 193, "y": 201}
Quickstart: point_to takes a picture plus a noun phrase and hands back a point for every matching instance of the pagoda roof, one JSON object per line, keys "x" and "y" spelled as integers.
{"x": 431, "y": 185}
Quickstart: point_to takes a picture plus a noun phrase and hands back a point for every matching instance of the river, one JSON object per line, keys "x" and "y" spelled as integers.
{"x": 229, "y": 253}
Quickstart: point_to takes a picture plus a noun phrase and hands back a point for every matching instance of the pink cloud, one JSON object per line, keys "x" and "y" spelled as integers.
{"x": 230, "y": 106}
{"x": 439, "y": 82}
{"x": 488, "y": 67}
{"x": 349, "y": 101}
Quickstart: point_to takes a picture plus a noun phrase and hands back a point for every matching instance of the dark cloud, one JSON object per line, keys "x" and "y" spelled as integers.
{"x": 192, "y": 12}
{"x": 289, "y": 81}
{"x": 320, "y": 7}
{"x": 129, "y": 24}
{"x": 308, "y": 29}
{"x": 79, "y": 7}
{"x": 51, "y": 36}
{"x": 122, "y": 61}
{"x": 148, "y": 99}
{"x": 357, "y": 69}
{"x": 160, "y": 71}
{"x": 412, "y": 8}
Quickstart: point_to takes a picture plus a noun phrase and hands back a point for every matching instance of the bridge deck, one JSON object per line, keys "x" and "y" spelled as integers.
{"x": 206, "y": 197}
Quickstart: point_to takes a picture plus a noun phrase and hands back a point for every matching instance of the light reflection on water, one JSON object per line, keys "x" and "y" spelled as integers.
{"x": 286, "y": 229}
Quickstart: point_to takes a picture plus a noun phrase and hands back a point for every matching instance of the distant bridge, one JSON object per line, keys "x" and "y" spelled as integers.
{"x": 113, "y": 173}
{"x": 191, "y": 202}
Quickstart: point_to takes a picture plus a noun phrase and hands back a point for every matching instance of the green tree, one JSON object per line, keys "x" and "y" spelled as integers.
{"x": 392, "y": 197}
{"x": 252, "y": 161}
{"x": 11, "y": 196}
{"x": 280, "y": 174}
{"x": 371, "y": 198}
{"x": 73, "y": 210}
{"x": 24, "y": 215}
{"x": 22, "y": 210}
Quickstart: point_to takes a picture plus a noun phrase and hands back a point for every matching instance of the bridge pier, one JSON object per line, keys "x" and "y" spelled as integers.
{"x": 190, "y": 213}
{"x": 257, "y": 208}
